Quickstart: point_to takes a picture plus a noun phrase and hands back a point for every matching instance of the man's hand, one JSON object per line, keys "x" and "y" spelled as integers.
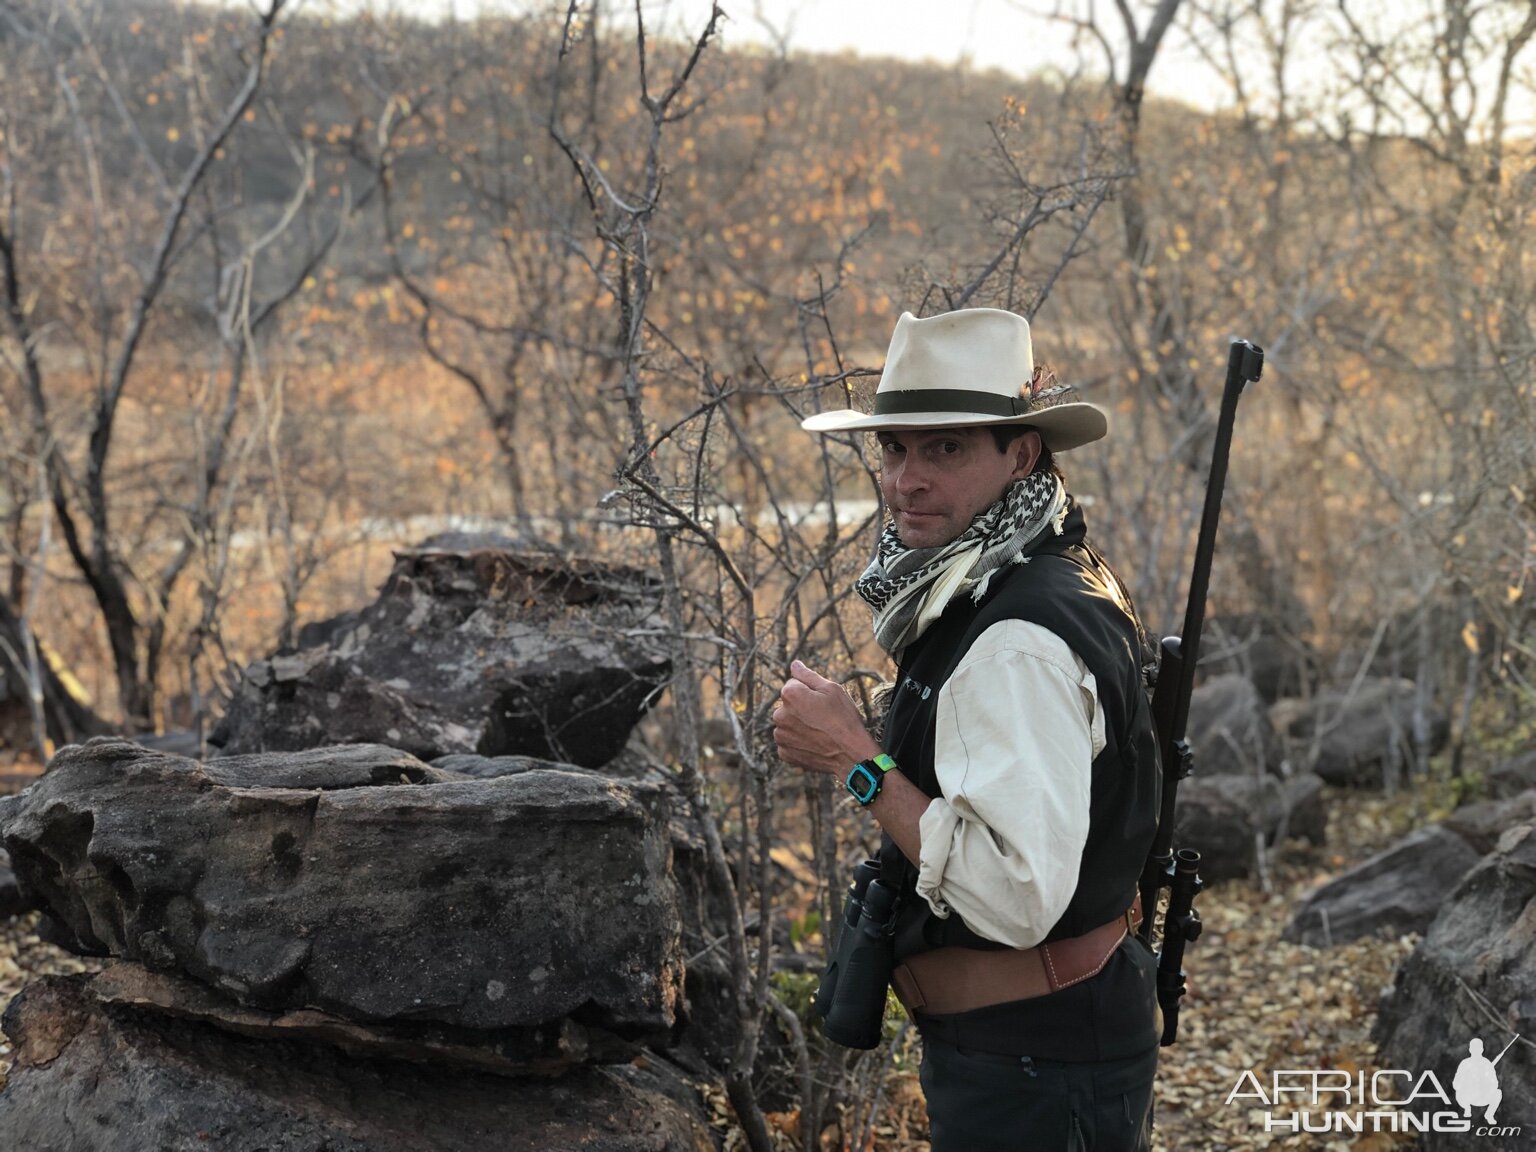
{"x": 817, "y": 726}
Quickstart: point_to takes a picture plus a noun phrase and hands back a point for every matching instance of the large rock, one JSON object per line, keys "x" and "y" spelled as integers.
{"x": 1278, "y": 663}
{"x": 1511, "y": 777}
{"x": 180, "y": 742}
{"x": 543, "y": 1050}
{"x": 364, "y": 884}
{"x": 1473, "y": 976}
{"x": 1305, "y": 816}
{"x": 1483, "y": 824}
{"x": 1229, "y": 728}
{"x": 1396, "y": 891}
{"x": 1223, "y": 818}
{"x": 90, "y": 1078}
{"x": 488, "y": 651}
{"x": 633, "y": 763}
{"x": 1359, "y": 736}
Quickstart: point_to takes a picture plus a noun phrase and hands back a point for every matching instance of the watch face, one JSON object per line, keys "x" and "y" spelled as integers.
{"x": 863, "y": 784}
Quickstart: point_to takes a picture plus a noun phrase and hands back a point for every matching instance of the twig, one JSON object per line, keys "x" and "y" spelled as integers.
{"x": 1487, "y": 1010}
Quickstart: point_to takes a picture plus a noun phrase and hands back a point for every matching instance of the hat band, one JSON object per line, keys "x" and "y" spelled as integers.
{"x": 902, "y": 400}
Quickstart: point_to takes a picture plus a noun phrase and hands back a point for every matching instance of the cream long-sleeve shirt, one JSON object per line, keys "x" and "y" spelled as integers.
{"x": 1018, "y": 726}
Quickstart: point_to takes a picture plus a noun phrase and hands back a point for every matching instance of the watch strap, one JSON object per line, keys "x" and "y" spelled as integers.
{"x": 865, "y": 778}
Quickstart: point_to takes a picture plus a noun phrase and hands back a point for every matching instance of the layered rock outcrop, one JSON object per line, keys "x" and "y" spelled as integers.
{"x": 319, "y": 940}
{"x": 345, "y": 879}
{"x": 93, "y": 1074}
{"x": 1473, "y": 976}
{"x": 289, "y": 927}
{"x": 481, "y": 651}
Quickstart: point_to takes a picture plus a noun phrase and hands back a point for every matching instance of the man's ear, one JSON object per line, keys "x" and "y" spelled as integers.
{"x": 1026, "y": 451}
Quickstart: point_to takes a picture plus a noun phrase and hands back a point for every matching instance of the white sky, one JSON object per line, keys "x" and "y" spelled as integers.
{"x": 1008, "y": 34}
{"x": 1012, "y": 35}
{"x": 1018, "y": 36}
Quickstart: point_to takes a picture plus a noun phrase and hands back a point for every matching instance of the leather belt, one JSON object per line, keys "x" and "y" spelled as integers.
{"x": 948, "y": 980}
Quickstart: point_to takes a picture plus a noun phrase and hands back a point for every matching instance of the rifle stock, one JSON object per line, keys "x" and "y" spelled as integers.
{"x": 1179, "y": 872}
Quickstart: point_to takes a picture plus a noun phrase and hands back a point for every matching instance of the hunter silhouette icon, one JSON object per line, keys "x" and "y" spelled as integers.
{"x": 1477, "y": 1084}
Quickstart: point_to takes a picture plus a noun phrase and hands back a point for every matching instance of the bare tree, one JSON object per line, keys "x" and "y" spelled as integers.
{"x": 75, "y": 112}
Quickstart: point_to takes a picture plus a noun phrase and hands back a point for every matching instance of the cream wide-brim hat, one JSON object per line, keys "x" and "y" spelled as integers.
{"x": 973, "y": 366}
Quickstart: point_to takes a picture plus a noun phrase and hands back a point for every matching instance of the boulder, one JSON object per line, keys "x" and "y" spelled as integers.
{"x": 1511, "y": 777}
{"x": 1277, "y": 664}
{"x": 90, "y": 1077}
{"x": 1306, "y": 818}
{"x": 181, "y": 742}
{"x": 1358, "y": 736}
{"x": 1229, "y": 728}
{"x": 1221, "y": 817}
{"x": 1482, "y": 824}
{"x": 541, "y": 1050}
{"x": 320, "y": 633}
{"x": 1396, "y": 891}
{"x": 489, "y": 767}
{"x": 326, "y": 769}
{"x": 482, "y": 651}
{"x": 632, "y": 763}
{"x": 363, "y": 884}
{"x": 1473, "y": 976}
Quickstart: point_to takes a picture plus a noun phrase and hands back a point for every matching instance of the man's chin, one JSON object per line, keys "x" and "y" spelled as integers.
{"x": 922, "y": 531}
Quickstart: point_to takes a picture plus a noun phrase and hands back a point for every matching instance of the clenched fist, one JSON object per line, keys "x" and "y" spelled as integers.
{"x": 817, "y": 726}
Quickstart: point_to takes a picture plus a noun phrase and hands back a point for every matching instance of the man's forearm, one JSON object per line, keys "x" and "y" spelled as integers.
{"x": 818, "y": 728}
{"x": 899, "y": 808}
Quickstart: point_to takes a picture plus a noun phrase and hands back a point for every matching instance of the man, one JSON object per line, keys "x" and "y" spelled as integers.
{"x": 1017, "y": 788}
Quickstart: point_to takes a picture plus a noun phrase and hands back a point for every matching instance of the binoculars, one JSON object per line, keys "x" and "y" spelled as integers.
{"x": 851, "y": 999}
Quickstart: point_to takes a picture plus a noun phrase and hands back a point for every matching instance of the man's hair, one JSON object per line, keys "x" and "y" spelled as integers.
{"x": 1003, "y": 435}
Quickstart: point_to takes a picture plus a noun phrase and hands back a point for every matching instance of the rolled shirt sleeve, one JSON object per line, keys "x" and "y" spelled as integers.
{"x": 1018, "y": 726}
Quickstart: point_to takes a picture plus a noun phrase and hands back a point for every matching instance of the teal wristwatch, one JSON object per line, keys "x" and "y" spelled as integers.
{"x": 863, "y": 782}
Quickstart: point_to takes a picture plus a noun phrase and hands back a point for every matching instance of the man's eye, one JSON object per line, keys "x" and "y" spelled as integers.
{"x": 949, "y": 447}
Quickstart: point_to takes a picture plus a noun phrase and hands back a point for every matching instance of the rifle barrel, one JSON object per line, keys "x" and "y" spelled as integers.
{"x": 1179, "y": 872}
{"x": 1507, "y": 1047}
{"x": 1245, "y": 363}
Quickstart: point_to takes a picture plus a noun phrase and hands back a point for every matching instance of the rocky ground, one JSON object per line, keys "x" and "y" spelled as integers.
{"x": 1255, "y": 1002}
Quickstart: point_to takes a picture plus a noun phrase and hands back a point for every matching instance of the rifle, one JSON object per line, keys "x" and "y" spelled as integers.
{"x": 1179, "y": 872}
{"x": 1507, "y": 1047}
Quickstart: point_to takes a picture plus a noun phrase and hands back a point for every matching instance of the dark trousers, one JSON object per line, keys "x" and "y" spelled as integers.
{"x": 980, "y": 1102}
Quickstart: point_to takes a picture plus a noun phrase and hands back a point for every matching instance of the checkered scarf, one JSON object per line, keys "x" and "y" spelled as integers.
{"x": 908, "y": 588}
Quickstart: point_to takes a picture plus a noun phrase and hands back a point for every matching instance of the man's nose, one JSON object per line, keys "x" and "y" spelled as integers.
{"x": 910, "y": 478}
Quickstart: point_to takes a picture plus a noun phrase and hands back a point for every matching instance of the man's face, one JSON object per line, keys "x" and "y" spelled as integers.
{"x": 936, "y": 480}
